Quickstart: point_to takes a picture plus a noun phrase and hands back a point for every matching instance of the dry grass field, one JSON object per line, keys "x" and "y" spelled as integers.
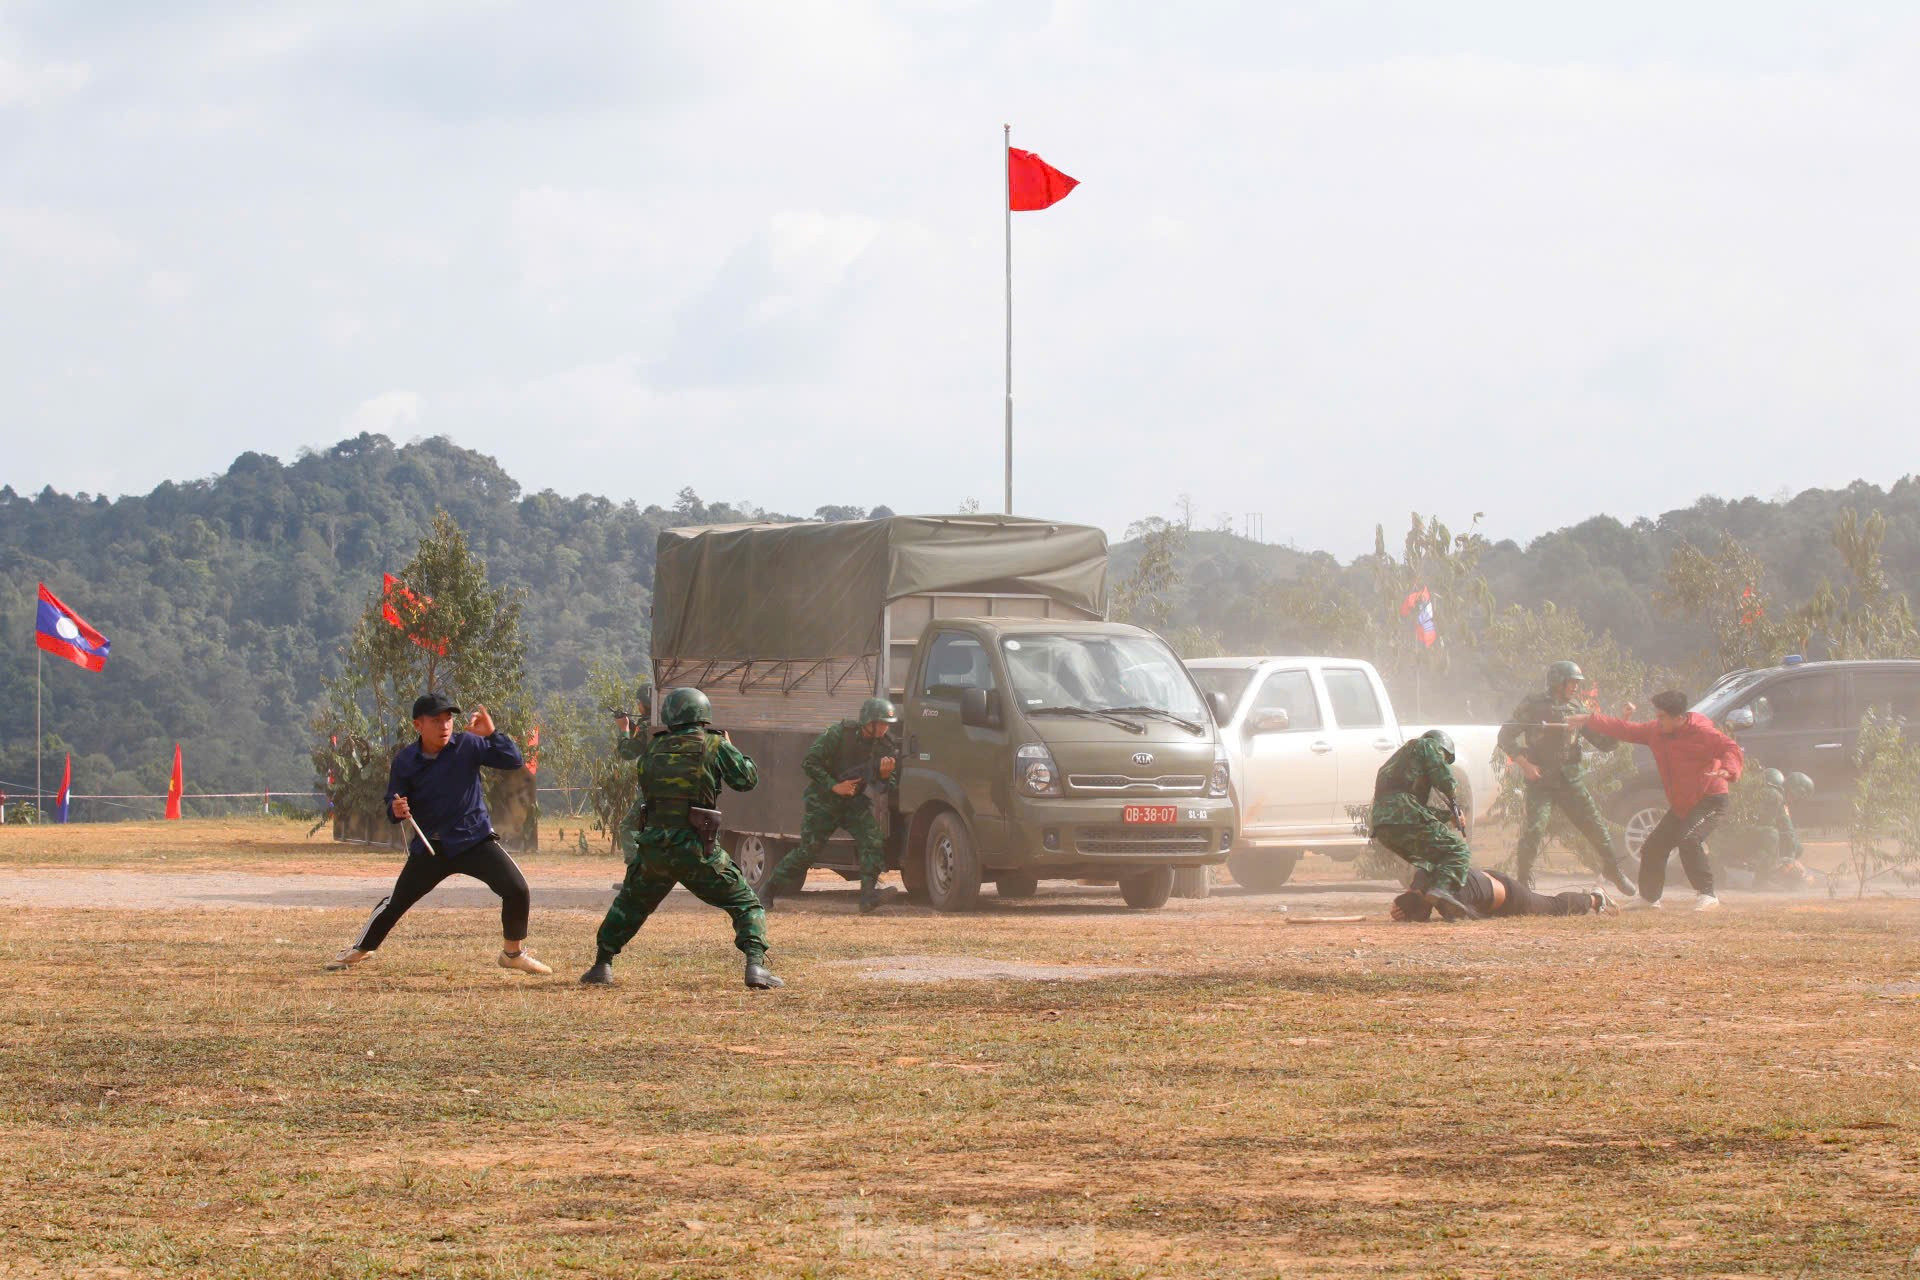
{"x": 1214, "y": 1091}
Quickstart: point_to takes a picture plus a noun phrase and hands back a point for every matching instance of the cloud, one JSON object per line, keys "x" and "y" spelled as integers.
{"x": 389, "y": 413}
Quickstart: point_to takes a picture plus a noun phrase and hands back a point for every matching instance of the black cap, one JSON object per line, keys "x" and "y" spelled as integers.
{"x": 432, "y": 704}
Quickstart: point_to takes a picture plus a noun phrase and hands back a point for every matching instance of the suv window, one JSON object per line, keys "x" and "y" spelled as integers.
{"x": 956, "y": 662}
{"x": 1802, "y": 703}
{"x": 1351, "y": 693}
{"x": 1291, "y": 692}
{"x": 1888, "y": 691}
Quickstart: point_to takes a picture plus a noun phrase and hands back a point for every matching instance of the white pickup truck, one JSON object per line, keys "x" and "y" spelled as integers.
{"x": 1305, "y": 737}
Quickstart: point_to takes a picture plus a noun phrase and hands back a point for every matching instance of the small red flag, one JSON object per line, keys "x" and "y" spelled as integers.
{"x": 1032, "y": 183}
{"x": 174, "y": 785}
{"x": 391, "y": 590}
{"x": 533, "y": 750}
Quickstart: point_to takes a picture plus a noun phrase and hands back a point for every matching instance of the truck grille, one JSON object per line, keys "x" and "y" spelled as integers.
{"x": 1143, "y": 840}
{"x": 1119, "y": 783}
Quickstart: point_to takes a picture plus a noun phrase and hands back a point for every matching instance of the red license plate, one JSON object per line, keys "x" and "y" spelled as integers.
{"x": 1147, "y": 813}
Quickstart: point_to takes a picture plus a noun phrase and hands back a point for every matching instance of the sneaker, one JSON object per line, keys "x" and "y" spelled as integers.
{"x": 523, "y": 961}
{"x": 349, "y": 957}
{"x": 1706, "y": 902}
{"x": 1604, "y": 903}
{"x": 1640, "y": 904}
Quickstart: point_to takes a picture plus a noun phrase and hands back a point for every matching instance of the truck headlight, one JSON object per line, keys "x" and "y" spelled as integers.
{"x": 1217, "y": 782}
{"x": 1034, "y": 771}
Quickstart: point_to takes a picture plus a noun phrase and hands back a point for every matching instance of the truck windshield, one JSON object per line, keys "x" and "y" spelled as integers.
{"x": 1101, "y": 672}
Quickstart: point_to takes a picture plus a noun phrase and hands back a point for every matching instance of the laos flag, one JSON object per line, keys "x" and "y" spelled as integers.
{"x": 65, "y": 634}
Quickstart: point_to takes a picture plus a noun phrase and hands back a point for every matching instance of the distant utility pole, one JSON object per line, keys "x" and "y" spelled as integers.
{"x": 1256, "y": 526}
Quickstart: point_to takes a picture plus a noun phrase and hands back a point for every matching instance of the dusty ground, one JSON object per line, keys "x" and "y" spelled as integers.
{"x": 1064, "y": 1088}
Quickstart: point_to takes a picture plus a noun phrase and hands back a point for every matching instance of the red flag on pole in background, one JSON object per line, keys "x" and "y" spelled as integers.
{"x": 174, "y": 785}
{"x": 1032, "y": 183}
{"x": 533, "y": 750}
{"x": 65, "y": 794}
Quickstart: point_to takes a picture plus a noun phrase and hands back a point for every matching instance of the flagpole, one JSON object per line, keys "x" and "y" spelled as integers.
{"x": 36, "y": 730}
{"x": 1006, "y": 211}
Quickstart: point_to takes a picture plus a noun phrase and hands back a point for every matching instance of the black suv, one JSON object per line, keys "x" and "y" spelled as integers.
{"x": 1799, "y": 717}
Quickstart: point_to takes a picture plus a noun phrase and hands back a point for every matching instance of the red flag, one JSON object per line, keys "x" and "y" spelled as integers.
{"x": 533, "y": 750}
{"x": 1032, "y": 183}
{"x": 392, "y": 589}
{"x": 174, "y": 785}
{"x": 65, "y": 795}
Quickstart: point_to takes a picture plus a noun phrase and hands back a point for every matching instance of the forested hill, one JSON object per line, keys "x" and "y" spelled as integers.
{"x": 1609, "y": 571}
{"x": 227, "y": 600}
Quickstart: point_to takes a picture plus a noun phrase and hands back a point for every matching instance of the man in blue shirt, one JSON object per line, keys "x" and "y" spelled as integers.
{"x": 435, "y": 783}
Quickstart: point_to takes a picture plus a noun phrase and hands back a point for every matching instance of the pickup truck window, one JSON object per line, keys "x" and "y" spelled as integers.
{"x": 1351, "y": 693}
{"x": 1228, "y": 682}
{"x": 1291, "y": 692}
{"x": 956, "y": 662}
{"x": 1100, "y": 672}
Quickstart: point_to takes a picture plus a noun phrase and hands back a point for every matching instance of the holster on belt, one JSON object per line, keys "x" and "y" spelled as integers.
{"x": 706, "y": 825}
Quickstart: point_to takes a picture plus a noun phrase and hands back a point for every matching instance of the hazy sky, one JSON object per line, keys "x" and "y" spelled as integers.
{"x": 1330, "y": 262}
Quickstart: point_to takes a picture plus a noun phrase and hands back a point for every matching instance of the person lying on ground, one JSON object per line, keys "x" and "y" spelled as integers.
{"x": 1489, "y": 893}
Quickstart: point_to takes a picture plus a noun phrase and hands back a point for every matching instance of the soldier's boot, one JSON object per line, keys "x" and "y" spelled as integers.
{"x": 1523, "y": 868}
{"x": 600, "y": 975}
{"x": 1451, "y": 909}
{"x": 873, "y": 897}
{"x": 758, "y": 977}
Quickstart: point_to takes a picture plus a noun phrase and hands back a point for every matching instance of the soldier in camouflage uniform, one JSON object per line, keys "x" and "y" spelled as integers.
{"x": 1550, "y": 759}
{"x": 684, "y": 768}
{"x": 1767, "y": 843}
{"x": 1404, "y": 823}
{"x": 844, "y": 763}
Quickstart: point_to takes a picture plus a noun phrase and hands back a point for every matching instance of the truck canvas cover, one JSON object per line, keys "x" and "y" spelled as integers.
{"x": 799, "y": 592}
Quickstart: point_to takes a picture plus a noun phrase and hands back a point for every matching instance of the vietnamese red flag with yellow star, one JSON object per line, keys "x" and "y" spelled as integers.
{"x": 174, "y": 785}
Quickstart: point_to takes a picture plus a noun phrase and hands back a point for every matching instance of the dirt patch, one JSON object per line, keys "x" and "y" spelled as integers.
{"x": 979, "y": 969}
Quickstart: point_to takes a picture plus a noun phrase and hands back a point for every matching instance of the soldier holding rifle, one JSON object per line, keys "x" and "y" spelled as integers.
{"x": 1549, "y": 755}
{"x": 847, "y": 761}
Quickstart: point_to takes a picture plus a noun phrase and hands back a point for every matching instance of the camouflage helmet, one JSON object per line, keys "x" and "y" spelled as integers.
{"x": 1562, "y": 671}
{"x": 1774, "y": 778}
{"x": 1445, "y": 740}
{"x": 684, "y": 707}
{"x": 877, "y": 711}
{"x": 1799, "y": 786}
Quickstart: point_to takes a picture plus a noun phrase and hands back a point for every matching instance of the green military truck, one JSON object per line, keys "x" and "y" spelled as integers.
{"x": 1037, "y": 741}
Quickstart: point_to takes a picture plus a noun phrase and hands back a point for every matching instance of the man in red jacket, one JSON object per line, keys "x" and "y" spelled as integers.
{"x": 1696, "y": 762}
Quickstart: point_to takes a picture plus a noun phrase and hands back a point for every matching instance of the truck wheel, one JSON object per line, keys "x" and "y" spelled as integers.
{"x": 913, "y": 874}
{"x": 1015, "y": 884}
{"x": 1263, "y": 872}
{"x": 1639, "y": 815}
{"x": 953, "y": 870}
{"x": 1191, "y": 882}
{"x": 756, "y": 856}
{"x": 1147, "y": 890}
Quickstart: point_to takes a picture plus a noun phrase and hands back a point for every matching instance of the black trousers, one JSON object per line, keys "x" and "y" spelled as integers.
{"x": 486, "y": 862}
{"x": 1688, "y": 832}
{"x": 1522, "y": 901}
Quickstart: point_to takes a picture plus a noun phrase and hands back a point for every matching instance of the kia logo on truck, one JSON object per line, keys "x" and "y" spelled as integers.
{"x": 1143, "y": 757}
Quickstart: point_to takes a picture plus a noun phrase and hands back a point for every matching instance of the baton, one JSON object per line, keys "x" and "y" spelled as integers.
{"x": 431, "y": 851}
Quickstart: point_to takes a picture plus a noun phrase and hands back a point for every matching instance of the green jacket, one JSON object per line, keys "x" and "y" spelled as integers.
{"x": 1409, "y": 776}
{"x": 842, "y": 749}
{"x": 1557, "y": 753}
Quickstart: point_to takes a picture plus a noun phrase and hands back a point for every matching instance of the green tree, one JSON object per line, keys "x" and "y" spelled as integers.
{"x": 460, "y": 636}
{"x": 1726, "y": 595}
{"x": 1868, "y": 619}
{"x": 1146, "y": 596}
{"x": 1884, "y": 834}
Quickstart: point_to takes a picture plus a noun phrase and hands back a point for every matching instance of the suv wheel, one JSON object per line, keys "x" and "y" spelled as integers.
{"x": 1642, "y": 813}
{"x": 1147, "y": 890}
{"x": 953, "y": 870}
